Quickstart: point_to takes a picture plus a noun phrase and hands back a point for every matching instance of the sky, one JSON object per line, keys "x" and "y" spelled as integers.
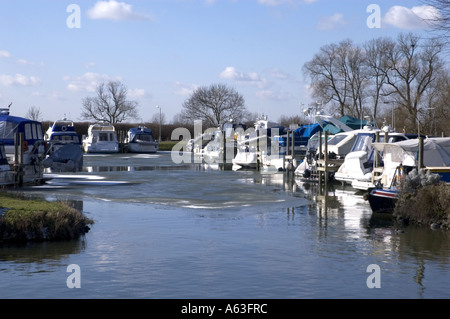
{"x": 55, "y": 53}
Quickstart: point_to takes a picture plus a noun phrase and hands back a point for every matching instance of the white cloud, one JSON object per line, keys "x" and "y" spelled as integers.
{"x": 275, "y": 3}
{"x": 5, "y": 54}
{"x": 274, "y": 96}
{"x": 88, "y": 82}
{"x": 230, "y": 73}
{"x": 24, "y": 62}
{"x": 136, "y": 93}
{"x": 113, "y": 10}
{"x": 184, "y": 89}
{"x": 19, "y": 80}
{"x": 414, "y": 18}
{"x": 329, "y": 23}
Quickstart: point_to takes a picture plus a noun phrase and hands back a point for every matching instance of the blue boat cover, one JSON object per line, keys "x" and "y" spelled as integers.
{"x": 9, "y": 125}
{"x": 139, "y": 131}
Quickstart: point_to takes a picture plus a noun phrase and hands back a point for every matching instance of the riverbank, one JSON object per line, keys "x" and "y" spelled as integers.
{"x": 427, "y": 205}
{"x": 23, "y": 220}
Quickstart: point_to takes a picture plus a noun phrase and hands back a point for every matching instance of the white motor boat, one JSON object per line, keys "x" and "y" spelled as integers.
{"x": 102, "y": 138}
{"x": 255, "y": 143}
{"x": 358, "y": 164}
{"x": 65, "y": 151}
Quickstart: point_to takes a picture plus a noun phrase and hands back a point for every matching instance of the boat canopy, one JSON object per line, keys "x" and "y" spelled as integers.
{"x": 3, "y": 159}
{"x": 436, "y": 151}
{"x": 138, "y": 132}
{"x": 307, "y": 130}
{"x": 348, "y": 121}
{"x": 9, "y": 125}
{"x": 63, "y": 127}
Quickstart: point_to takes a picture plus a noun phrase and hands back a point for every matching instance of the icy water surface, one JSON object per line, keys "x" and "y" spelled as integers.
{"x": 187, "y": 231}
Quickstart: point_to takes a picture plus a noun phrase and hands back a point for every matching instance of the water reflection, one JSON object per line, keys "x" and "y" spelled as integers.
{"x": 217, "y": 231}
{"x": 30, "y": 258}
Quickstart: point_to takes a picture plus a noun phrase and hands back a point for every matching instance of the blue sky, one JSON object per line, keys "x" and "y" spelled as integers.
{"x": 163, "y": 50}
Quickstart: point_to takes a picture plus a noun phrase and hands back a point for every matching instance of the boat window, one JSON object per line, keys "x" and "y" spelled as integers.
{"x": 35, "y": 131}
{"x": 336, "y": 139}
{"x": 103, "y": 137}
{"x": 7, "y": 130}
{"x": 362, "y": 142}
{"x": 144, "y": 137}
{"x": 40, "y": 133}
{"x": 28, "y": 132}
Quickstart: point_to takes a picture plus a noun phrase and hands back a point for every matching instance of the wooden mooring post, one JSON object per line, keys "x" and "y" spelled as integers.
{"x": 325, "y": 165}
{"x": 18, "y": 159}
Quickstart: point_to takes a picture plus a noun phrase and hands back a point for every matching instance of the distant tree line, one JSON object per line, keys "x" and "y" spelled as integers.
{"x": 403, "y": 79}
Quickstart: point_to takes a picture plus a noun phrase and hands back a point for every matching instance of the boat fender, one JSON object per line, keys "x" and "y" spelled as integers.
{"x": 307, "y": 173}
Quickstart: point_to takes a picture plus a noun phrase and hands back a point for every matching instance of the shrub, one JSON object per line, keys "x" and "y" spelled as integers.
{"x": 34, "y": 220}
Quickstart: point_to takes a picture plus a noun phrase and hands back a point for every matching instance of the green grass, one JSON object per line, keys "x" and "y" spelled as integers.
{"x": 168, "y": 145}
{"x": 38, "y": 220}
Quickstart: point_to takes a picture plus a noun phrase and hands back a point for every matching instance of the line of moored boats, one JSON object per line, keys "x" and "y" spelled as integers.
{"x": 26, "y": 151}
{"x": 353, "y": 151}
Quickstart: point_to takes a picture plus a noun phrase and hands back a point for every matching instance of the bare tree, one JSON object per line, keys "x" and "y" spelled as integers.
{"x": 34, "y": 113}
{"x": 214, "y": 105}
{"x": 337, "y": 74}
{"x": 376, "y": 60}
{"x": 110, "y": 104}
{"x": 439, "y": 19}
{"x": 157, "y": 118}
{"x": 412, "y": 68}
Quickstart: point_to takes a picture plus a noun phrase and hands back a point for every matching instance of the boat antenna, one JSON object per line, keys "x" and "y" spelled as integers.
{"x": 9, "y": 106}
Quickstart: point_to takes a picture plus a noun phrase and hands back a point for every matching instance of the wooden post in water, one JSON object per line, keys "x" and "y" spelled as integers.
{"x": 420, "y": 161}
{"x": 18, "y": 159}
{"x": 326, "y": 158}
{"x": 223, "y": 160}
{"x": 257, "y": 151}
{"x": 320, "y": 157}
{"x": 377, "y": 154}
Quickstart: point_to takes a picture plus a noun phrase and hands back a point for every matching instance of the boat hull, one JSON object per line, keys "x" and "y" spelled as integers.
{"x": 142, "y": 148}
{"x": 382, "y": 200}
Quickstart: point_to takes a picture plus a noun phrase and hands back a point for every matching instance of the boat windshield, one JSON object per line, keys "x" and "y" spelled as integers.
{"x": 337, "y": 139}
{"x": 65, "y": 138}
{"x": 144, "y": 137}
{"x": 105, "y": 137}
{"x": 363, "y": 142}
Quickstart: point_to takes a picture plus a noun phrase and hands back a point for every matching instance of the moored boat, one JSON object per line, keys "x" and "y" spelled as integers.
{"x": 141, "y": 140}
{"x": 256, "y": 143}
{"x": 6, "y": 174}
{"x": 356, "y": 170}
{"x": 23, "y": 141}
{"x": 65, "y": 151}
{"x": 101, "y": 138}
{"x": 401, "y": 161}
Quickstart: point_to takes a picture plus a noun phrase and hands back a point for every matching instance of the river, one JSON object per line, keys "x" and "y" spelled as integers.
{"x": 185, "y": 231}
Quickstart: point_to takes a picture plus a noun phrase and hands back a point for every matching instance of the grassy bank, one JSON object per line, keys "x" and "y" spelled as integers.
{"x": 36, "y": 220}
{"x": 168, "y": 145}
{"x": 426, "y": 205}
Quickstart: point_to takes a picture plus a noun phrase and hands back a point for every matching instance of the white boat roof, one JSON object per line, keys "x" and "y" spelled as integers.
{"x": 101, "y": 127}
{"x": 436, "y": 150}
